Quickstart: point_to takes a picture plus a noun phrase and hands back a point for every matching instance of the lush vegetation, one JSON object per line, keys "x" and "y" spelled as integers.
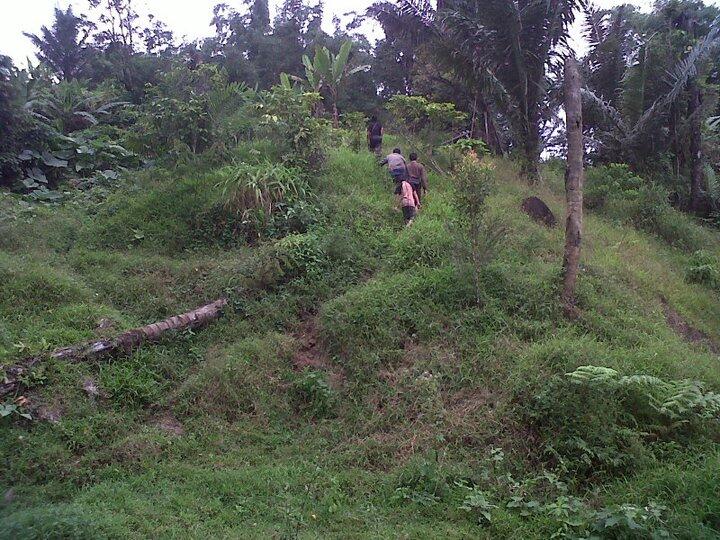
{"x": 366, "y": 379}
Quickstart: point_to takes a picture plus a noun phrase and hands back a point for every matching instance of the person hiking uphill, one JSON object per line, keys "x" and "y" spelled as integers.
{"x": 375, "y": 134}
{"x": 396, "y": 165}
{"x": 409, "y": 201}
{"x": 418, "y": 176}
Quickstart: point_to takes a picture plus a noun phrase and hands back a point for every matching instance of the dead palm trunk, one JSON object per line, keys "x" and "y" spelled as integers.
{"x": 124, "y": 343}
{"x": 574, "y": 180}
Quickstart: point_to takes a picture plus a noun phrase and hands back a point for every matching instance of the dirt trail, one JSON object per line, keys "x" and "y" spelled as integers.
{"x": 685, "y": 330}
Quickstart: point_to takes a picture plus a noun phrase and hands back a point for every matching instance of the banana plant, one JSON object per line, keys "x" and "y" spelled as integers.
{"x": 327, "y": 70}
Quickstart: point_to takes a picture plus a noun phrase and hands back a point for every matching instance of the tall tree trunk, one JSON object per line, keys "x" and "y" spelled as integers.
{"x": 531, "y": 149}
{"x": 697, "y": 174}
{"x": 574, "y": 180}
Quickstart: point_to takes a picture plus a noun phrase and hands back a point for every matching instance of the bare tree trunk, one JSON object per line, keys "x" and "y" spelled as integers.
{"x": 336, "y": 116}
{"x": 574, "y": 180}
{"x": 124, "y": 343}
{"x": 531, "y": 147}
{"x": 697, "y": 174}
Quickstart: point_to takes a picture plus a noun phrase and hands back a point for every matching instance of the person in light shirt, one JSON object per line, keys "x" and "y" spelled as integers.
{"x": 408, "y": 199}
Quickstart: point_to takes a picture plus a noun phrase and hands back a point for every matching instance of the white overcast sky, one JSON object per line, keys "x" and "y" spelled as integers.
{"x": 187, "y": 18}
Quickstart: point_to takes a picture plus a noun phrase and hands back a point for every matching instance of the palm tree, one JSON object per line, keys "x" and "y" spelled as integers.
{"x": 507, "y": 44}
{"x": 630, "y": 128}
{"x": 330, "y": 71}
{"x": 63, "y": 47}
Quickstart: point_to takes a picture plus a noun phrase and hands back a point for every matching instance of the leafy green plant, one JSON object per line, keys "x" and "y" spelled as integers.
{"x": 190, "y": 111}
{"x": 329, "y": 71}
{"x": 285, "y": 118}
{"x": 704, "y": 269}
{"x": 70, "y": 106}
{"x": 13, "y": 409}
{"x": 421, "y": 482}
{"x": 630, "y": 521}
{"x": 314, "y": 393}
{"x": 614, "y": 181}
{"x": 416, "y": 114}
{"x": 354, "y": 123}
{"x": 478, "y": 146}
{"x": 477, "y": 237}
{"x": 300, "y": 254}
{"x": 477, "y": 503}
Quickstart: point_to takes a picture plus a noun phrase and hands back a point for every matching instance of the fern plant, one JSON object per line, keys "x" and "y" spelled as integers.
{"x": 675, "y": 400}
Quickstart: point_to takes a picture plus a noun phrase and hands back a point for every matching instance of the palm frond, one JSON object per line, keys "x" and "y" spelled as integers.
{"x": 593, "y": 27}
{"x": 681, "y": 73}
{"x": 606, "y": 109}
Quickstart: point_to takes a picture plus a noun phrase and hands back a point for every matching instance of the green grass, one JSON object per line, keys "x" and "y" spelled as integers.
{"x": 419, "y": 393}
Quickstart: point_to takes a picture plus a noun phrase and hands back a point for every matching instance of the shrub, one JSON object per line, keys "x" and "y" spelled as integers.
{"x": 415, "y": 113}
{"x": 254, "y": 193}
{"x": 313, "y": 393}
{"x": 300, "y": 254}
{"x": 190, "y": 110}
{"x": 651, "y": 212}
{"x": 704, "y": 269}
{"x": 354, "y": 125}
{"x": 610, "y": 433}
{"x": 614, "y": 181}
{"x": 477, "y": 237}
{"x": 591, "y": 441}
{"x": 285, "y": 117}
{"x": 652, "y": 399}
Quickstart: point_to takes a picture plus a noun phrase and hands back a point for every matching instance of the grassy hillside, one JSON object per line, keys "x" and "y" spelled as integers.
{"x": 355, "y": 387}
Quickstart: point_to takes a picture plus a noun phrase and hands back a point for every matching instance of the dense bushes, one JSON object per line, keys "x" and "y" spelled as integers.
{"x": 192, "y": 110}
{"x": 622, "y": 195}
{"x": 704, "y": 269}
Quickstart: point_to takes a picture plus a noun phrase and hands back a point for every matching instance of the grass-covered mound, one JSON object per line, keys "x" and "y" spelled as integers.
{"x": 360, "y": 384}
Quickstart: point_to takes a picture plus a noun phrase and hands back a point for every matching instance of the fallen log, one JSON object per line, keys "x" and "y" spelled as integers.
{"x": 122, "y": 344}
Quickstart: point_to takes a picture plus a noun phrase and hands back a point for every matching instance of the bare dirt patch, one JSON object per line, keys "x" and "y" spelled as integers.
{"x": 310, "y": 353}
{"x": 167, "y": 423}
{"x": 685, "y": 330}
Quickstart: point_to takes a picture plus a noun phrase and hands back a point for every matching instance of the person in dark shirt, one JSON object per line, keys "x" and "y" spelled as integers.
{"x": 418, "y": 175}
{"x": 375, "y": 134}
